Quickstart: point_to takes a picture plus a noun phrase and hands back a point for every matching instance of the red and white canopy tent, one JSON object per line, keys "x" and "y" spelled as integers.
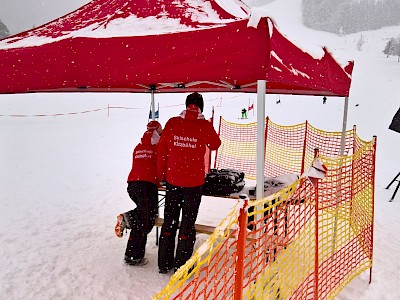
{"x": 158, "y": 46}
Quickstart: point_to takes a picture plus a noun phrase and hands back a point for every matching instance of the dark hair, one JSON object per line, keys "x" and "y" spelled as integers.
{"x": 196, "y": 99}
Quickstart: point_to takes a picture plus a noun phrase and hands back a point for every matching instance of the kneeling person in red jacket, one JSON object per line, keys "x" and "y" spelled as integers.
{"x": 181, "y": 164}
{"x": 143, "y": 190}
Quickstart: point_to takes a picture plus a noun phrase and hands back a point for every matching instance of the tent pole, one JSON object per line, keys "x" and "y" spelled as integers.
{"x": 343, "y": 139}
{"x": 153, "y": 106}
{"x": 339, "y": 188}
{"x": 260, "y": 138}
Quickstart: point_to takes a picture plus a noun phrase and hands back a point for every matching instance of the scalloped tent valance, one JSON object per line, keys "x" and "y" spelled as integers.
{"x": 164, "y": 46}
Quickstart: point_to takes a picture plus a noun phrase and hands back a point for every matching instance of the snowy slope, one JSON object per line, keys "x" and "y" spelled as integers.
{"x": 62, "y": 178}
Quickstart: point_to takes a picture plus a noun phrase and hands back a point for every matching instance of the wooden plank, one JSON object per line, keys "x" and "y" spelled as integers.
{"x": 274, "y": 240}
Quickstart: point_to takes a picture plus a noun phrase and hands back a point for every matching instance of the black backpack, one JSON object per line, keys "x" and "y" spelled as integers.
{"x": 223, "y": 182}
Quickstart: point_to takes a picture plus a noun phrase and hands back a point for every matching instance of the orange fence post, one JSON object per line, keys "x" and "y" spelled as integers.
{"x": 209, "y": 158}
{"x": 208, "y": 155}
{"x": 241, "y": 248}
{"x": 373, "y": 207}
{"x": 316, "y": 262}
{"x": 316, "y": 266}
{"x": 265, "y": 139}
{"x": 303, "y": 160}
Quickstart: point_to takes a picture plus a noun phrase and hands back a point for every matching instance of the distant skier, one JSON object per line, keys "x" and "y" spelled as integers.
{"x": 244, "y": 113}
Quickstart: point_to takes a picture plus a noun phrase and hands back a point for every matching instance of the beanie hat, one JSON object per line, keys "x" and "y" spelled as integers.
{"x": 196, "y": 99}
{"x": 154, "y": 125}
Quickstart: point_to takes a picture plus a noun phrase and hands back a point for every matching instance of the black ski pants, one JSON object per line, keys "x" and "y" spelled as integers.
{"x": 141, "y": 219}
{"x": 178, "y": 199}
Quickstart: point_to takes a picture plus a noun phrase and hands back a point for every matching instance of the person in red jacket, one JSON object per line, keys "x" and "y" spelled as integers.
{"x": 143, "y": 190}
{"x": 180, "y": 163}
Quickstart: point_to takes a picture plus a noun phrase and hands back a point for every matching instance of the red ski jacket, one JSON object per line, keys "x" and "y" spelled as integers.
{"x": 144, "y": 160}
{"x": 182, "y": 148}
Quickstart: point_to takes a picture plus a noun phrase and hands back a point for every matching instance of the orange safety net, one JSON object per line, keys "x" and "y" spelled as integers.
{"x": 288, "y": 149}
{"x": 307, "y": 241}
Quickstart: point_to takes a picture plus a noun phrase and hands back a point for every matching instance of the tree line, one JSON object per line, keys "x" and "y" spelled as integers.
{"x": 350, "y": 16}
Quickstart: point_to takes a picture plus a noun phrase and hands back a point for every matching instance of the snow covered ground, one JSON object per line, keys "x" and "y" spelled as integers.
{"x": 63, "y": 178}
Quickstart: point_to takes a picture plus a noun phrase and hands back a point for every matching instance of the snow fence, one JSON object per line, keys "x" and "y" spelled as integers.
{"x": 307, "y": 241}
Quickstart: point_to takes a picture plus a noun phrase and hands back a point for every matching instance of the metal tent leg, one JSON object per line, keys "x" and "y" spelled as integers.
{"x": 156, "y": 235}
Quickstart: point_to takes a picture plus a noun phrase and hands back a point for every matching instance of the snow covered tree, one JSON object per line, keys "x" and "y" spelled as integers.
{"x": 3, "y": 31}
{"x": 389, "y": 48}
{"x": 393, "y": 48}
{"x": 360, "y": 43}
{"x": 397, "y": 50}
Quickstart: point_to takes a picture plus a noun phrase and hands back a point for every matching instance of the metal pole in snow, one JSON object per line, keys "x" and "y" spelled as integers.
{"x": 261, "y": 90}
{"x": 339, "y": 188}
{"x": 343, "y": 138}
{"x": 260, "y": 138}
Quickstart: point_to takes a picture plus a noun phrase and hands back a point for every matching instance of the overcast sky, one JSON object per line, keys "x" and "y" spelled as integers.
{"x": 21, "y": 15}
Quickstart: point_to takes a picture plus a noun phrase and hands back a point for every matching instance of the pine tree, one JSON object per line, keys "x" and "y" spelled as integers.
{"x": 393, "y": 48}
{"x": 360, "y": 43}
{"x": 397, "y": 49}
{"x": 389, "y": 48}
{"x": 3, "y": 31}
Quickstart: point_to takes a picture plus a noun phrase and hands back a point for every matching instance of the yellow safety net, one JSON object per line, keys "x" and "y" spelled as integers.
{"x": 307, "y": 241}
{"x": 288, "y": 149}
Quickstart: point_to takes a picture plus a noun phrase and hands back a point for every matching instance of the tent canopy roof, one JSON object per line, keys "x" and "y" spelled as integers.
{"x": 164, "y": 46}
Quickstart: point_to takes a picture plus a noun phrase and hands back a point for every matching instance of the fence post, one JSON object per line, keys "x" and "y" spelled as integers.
{"x": 316, "y": 266}
{"x": 316, "y": 262}
{"x": 303, "y": 160}
{"x": 211, "y": 152}
{"x": 266, "y": 133}
{"x": 343, "y": 137}
{"x": 373, "y": 206}
{"x": 219, "y": 135}
{"x": 241, "y": 249}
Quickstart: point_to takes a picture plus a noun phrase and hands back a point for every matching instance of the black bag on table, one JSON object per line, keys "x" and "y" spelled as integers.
{"x": 223, "y": 182}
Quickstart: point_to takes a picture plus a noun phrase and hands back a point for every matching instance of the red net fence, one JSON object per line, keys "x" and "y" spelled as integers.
{"x": 288, "y": 149}
{"x": 307, "y": 241}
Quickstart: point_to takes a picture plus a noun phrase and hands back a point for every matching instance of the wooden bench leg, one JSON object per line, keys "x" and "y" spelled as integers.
{"x": 161, "y": 202}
